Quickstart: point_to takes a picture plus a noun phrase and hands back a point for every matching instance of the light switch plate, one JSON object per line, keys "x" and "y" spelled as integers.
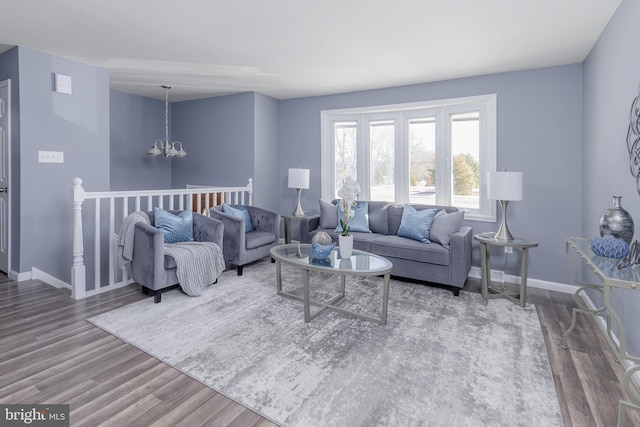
{"x": 50, "y": 157}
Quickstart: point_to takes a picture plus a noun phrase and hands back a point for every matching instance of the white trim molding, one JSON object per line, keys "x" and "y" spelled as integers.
{"x": 533, "y": 283}
{"x": 37, "y": 274}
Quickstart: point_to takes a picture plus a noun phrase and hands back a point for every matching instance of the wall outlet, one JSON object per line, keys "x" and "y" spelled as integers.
{"x": 508, "y": 249}
{"x": 50, "y": 157}
{"x": 497, "y": 276}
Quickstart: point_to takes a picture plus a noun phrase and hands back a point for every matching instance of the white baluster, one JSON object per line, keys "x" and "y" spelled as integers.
{"x": 78, "y": 278}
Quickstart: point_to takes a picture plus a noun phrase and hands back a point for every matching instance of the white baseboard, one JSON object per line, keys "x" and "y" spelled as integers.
{"x": 19, "y": 277}
{"x": 533, "y": 283}
{"x": 48, "y": 279}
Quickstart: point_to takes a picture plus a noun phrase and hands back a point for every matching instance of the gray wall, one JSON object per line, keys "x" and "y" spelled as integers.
{"x": 136, "y": 122}
{"x": 218, "y": 135}
{"x": 539, "y": 133}
{"x": 611, "y": 82}
{"x": 77, "y": 125}
{"x": 9, "y": 69}
{"x": 266, "y": 173}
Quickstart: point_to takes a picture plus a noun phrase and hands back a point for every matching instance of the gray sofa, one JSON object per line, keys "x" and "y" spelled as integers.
{"x": 432, "y": 262}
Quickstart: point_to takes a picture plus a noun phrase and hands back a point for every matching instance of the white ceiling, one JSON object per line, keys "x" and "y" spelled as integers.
{"x": 296, "y": 48}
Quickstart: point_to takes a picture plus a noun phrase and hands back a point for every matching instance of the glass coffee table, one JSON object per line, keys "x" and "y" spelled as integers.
{"x": 359, "y": 264}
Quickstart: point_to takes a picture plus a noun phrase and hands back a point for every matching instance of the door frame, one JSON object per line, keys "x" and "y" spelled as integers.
{"x": 7, "y": 83}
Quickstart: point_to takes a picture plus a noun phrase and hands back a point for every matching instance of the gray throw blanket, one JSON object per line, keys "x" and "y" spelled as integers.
{"x": 125, "y": 238}
{"x": 198, "y": 264}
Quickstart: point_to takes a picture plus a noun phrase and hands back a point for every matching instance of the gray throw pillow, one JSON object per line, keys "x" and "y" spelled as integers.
{"x": 328, "y": 214}
{"x": 444, "y": 225}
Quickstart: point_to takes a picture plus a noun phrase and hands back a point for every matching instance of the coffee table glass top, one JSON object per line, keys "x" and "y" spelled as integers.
{"x": 359, "y": 262}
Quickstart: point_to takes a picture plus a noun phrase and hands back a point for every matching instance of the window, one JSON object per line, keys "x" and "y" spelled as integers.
{"x": 436, "y": 152}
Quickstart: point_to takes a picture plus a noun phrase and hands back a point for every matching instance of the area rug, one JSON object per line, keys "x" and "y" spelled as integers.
{"x": 440, "y": 361}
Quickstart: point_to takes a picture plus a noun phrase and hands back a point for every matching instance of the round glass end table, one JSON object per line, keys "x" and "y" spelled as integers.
{"x": 489, "y": 239}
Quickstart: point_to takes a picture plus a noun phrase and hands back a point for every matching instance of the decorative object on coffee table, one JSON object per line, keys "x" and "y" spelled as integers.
{"x": 617, "y": 222}
{"x": 348, "y": 194}
{"x": 321, "y": 245}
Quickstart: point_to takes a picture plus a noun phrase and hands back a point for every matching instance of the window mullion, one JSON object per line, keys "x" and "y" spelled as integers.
{"x": 364, "y": 156}
{"x": 443, "y": 159}
{"x": 401, "y": 162}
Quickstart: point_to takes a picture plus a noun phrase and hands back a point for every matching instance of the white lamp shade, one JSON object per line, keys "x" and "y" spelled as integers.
{"x": 504, "y": 185}
{"x": 299, "y": 178}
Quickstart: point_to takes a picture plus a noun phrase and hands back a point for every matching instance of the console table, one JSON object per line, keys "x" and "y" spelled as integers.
{"x": 607, "y": 272}
{"x": 488, "y": 239}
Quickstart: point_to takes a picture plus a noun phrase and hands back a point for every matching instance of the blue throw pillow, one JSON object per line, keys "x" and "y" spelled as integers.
{"x": 416, "y": 224}
{"x": 239, "y": 212}
{"x": 360, "y": 221}
{"x": 248, "y": 226}
{"x": 176, "y": 228}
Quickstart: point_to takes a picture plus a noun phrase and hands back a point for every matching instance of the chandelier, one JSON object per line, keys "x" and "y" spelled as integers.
{"x": 166, "y": 147}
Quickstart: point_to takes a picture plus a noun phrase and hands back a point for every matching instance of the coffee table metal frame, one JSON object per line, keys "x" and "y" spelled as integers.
{"x": 299, "y": 256}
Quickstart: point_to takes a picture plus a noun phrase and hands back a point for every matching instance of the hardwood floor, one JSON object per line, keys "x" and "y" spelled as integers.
{"x": 50, "y": 354}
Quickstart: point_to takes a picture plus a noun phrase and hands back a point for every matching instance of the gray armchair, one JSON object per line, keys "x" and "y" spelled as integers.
{"x": 241, "y": 248}
{"x": 150, "y": 267}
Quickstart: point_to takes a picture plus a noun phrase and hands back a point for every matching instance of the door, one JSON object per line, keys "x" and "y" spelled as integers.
{"x": 5, "y": 157}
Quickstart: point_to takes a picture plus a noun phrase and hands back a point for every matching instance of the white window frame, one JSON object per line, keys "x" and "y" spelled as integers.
{"x": 401, "y": 114}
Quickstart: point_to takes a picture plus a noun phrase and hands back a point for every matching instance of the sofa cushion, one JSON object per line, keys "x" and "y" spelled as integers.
{"x": 175, "y": 228}
{"x": 444, "y": 225}
{"x": 416, "y": 224}
{"x": 258, "y": 238}
{"x": 401, "y": 247}
{"x": 378, "y": 217}
{"x": 328, "y": 214}
{"x": 360, "y": 220}
{"x": 395, "y": 214}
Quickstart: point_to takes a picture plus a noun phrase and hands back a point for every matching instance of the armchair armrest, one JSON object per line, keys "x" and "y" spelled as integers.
{"x": 148, "y": 254}
{"x": 264, "y": 220}
{"x": 308, "y": 224}
{"x": 460, "y": 253}
{"x": 233, "y": 236}
{"x": 207, "y": 229}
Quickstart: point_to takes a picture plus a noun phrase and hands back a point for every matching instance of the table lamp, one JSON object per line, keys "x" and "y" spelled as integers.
{"x": 298, "y": 179}
{"x": 504, "y": 186}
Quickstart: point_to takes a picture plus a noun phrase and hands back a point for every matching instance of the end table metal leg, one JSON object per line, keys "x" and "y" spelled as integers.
{"x": 484, "y": 267}
{"x": 523, "y": 277}
{"x": 287, "y": 230}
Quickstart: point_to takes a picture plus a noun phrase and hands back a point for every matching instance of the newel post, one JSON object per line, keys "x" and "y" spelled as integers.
{"x": 250, "y": 191}
{"x": 78, "y": 277}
